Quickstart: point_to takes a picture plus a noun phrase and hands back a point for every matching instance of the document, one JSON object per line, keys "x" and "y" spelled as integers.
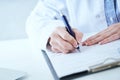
{"x": 90, "y": 56}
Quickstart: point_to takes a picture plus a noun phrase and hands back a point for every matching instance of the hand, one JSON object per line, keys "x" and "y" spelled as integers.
{"x": 61, "y": 41}
{"x": 110, "y": 34}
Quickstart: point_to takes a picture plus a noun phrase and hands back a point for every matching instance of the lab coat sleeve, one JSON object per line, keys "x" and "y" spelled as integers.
{"x": 40, "y": 24}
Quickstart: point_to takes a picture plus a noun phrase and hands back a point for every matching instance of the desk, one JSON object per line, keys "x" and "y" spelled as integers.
{"x": 18, "y": 55}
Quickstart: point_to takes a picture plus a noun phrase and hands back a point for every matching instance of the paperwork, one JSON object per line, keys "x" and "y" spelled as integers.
{"x": 66, "y": 64}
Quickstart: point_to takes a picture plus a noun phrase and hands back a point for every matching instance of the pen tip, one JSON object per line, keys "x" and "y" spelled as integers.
{"x": 78, "y": 48}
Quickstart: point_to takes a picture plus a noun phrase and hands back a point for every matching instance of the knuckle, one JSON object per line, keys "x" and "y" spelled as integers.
{"x": 65, "y": 36}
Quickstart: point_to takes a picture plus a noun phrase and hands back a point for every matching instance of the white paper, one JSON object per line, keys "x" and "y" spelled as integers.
{"x": 65, "y": 64}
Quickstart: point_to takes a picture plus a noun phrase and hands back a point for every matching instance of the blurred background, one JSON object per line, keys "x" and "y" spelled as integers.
{"x": 13, "y": 15}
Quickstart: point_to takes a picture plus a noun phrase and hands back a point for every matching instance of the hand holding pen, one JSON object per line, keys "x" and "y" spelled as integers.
{"x": 63, "y": 41}
{"x": 69, "y": 29}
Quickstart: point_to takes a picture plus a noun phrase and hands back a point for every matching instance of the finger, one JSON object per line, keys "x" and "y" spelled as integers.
{"x": 61, "y": 45}
{"x": 78, "y": 35}
{"x": 100, "y": 37}
{"x": 98, "y": 34}
{"x": 111, "y": 38}
{"x": 66, "y": 36}
{"x": 55, "y": 47}
{"x": 90, "y": 39}
{"x": 64, "y": 46}
{"x": 55, "y": 50}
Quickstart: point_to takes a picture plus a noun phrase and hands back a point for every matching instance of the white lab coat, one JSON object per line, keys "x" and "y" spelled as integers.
{"x": 85, "y": 15}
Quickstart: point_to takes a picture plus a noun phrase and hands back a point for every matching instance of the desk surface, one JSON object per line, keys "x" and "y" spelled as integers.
{"x": 18, "y": 55}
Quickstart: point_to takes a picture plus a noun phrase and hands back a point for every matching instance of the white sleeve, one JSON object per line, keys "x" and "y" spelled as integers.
{"x": 40, "y": 24}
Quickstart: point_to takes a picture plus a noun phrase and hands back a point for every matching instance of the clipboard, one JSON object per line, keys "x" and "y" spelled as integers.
{"x": 105, "y": 65}
{"x": 111, "y": 60}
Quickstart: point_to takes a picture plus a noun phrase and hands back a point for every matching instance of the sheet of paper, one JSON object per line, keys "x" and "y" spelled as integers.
{"x": 8, "y": 74}
{"x": 65, "y": 64}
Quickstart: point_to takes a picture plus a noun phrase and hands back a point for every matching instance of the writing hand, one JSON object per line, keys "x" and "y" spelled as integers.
{"x": 61, "y": 41}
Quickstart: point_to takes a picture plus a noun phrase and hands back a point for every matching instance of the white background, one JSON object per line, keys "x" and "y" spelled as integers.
{"x": 13, "y": 15}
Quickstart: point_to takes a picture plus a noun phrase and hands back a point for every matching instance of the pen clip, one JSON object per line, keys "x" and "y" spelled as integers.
{"x": 103, "y": 66}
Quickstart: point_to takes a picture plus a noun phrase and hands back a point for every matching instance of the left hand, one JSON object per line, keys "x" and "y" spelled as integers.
{"x": 110, "y": 34}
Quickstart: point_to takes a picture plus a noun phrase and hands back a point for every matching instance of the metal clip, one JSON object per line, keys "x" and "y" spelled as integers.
{"x": 103, "y": 66}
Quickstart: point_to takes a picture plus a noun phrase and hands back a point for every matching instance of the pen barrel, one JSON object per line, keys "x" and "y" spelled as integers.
{"x": 68, "y": 27}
